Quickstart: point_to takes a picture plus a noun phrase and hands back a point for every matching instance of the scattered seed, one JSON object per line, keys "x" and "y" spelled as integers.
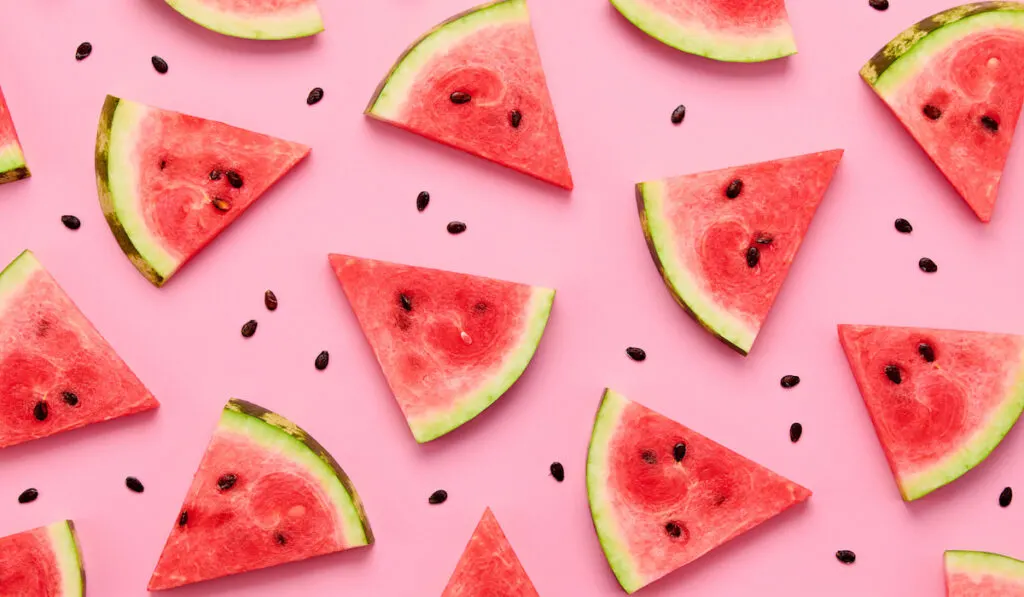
{"x": 41, "y": 410}
{"x": 456, "y": 227}
{"x": 679, "y": 451}
{"x": 846, "y": 556}
{"x": 221, "y": 204}
{"x": 678, "y": 114}
{"x": 558, "y": 471}
{"x": 764, "y": 239}
{"x": 422, "y": 200}
{"x": 134, "y": 484}
{"x": 270, "y": 300}
{"x": 931, "y": 112}
{"x": 673, "y": 530}
{"x": 159, "y": 64}
{"x": 321, "y": 360}
{"x": 216, "y": 174}
{"x": 893, "y": 373}
{"x": 183, "y": 519}
{"x": 249, "y": 328}
{"x": 280, "y": 538}
{"x": 989, "y": 123}
{"x": 438, "y": 497}
{"x": 879, "y": 4}
{"x": 637, "y": 354}
{"x": 71, "y": 222}
{"x": 227, "y": 481}
{"x": 234, "y": 179}
{"x": 903, "y": 226}
{"x": 734, "y": 189}
{"x": 927, "y": 265}
{"x": 29, "y": 495}
{"x": 315, "y": 95}
{"x": 795, "y": 431}
{"x": 649, "y": 457}
{"x": 1006, "y": 496}
{"x": 788, "y": 381}
{"x": 753, "y": 256}
{"x": 515, "y": 117}
{"x": 70, "y": 398}
{"x": 459, "y": 97}
{"x": 83, "y": 51}
{"x": 927, "y": 352}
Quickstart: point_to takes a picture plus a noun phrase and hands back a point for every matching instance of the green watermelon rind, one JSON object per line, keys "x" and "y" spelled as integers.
{"x": 425, "y": 429}
{"x": 682, "y": 283}
{"x": 908, "y": 53}
{"x": 68, "y": 555}
{"x": 17, "y": 272}
{"x": 12, "y": 163}
{"x": 983, "y": 563}
{"x": 302, "y": 23}
{"x": 704, "y": 42}
{"x": 273, "y": 431}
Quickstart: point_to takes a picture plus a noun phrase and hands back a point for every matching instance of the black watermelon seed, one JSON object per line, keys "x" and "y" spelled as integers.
{"x": 764, "y": 239}
{"x": 558, "y": 471}
{"x": 71, "y": 222}
{"x": 931, "y": 112}
{"x": 649, "y": 457}
{"x": 315, "y": 95}
{"x": 927, "y": 265}
{"x": 788, "y": 381}
{"x": 846, "y": 556}
{"x": 321, "y": 360}
{"x": 83, "y": 51}
{"x": 29, "y": 495}
{"x": 637, "y": 354}
{"x": 438, "y": 497}
{"x": 405, "y": 301}
{"x": 903, "y": 226}
{"x": 183, "y": 519}
{"x": 679, "y": 451}
{"x": 234, "y": 179}
{"x": 280, "y": 538}
{"x": 1005, "y": 497}
{"x": 227, "y": 481}
{"x": 215, "y": 174}
{"x": 927, "y": 352}
{"x": 134, "y": 484}
{"x": 879, "y": 4}
{"x": 480, "y": 307}
{"x": 41, "y": 410}
{"x": 159, "y": 64}
{"x": 249, "y": 328}
{"x": 674, "y": 530}
{"x": 456, "y": 227}
{"x": 893, "y": 373}
{"x": 459, "y": 97}
{"x": 795, "y": 431}
{"x": 422, "y": 200}
{"x": 70, "y": 398}
{"x": 270, "y": 300}
{"x": 734, "y": 189}
{"x": 753, "y": 256}
{"x": 678, "y": 114}
{"x": 221, "y": 204}
{"x": 989, "y": 123}
{"x": 163, "y": 164}
{"x": 515, "y": 117}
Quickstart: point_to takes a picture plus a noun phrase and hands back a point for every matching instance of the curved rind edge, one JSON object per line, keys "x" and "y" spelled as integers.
{"x": 983, "y": 562}
{"x": 19, "y": 173}
{"x": 239, "y": 28}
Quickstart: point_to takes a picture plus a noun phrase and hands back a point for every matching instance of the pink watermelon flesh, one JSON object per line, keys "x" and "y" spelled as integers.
{"x": 30, "y": 565}
{"x": 489, "y": 567}
{"x": 50, "y": 354}
{"x": 726, "y": 16}
{"x": 980, "y": 574}
{"x": 945, "y": 415}
{"x": 638, "y": 489}
{"x": 12, "y": 160}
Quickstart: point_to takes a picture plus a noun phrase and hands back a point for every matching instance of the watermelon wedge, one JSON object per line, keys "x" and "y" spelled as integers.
{"x": 170, "y": 183}
{"x": 56, "y": 372}
{"x": 489, "y": 567}
{"x": 12, "y": 160}
{"x": 449, "y": 344}
{"x": 954, "y": 81}
{"x": 43, "y": 562}
{"x": 662, "y": 495}
{"x": 266, "y": 493}
{"x": 727, "y": 30}
{"x": 504, "y": 113}
{"x": 254, "y": 19}
{"x": 940, "y": 400}
{"x": 724, "y": 240}
{"x": 980, "y": 574}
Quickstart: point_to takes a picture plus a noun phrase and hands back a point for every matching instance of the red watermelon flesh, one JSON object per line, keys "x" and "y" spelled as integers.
{"x": 489, "y": 567}
{"x": 12, "y": 160}
{"x": 43, "y": 562}
{"x": 654, "y": 513}
{"x": 489, "y": 53}
{"x": 958, "y": 394}
{"x": 981, "y": 574}
{"x": 57, "y": 373}
{"x": 700, "y": 238}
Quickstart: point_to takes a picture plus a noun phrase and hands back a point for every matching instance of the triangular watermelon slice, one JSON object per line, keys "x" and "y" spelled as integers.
{"x": 980, "y": 574}
{"x": 954, "y": 81}
{"x": 475, "y": 83}
{"x": 745, "y": 31}
{"x": 169, "y": 183}
{"x": 724, "y": 240}
{"x": 489, "y": 566}
{"x": 12, "y": 160}
{"x": 940, "y": 400}
{"x": 43, "y": 562}
{"x": 254, "y": 19}
{"x": 56, "y": 372}
{"x": 266, "y": 493}
{"x": 662, "y": 495}
{"x": 449, "y": 344}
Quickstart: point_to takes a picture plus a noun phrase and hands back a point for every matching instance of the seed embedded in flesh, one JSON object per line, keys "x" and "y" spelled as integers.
{"x": 71, "y": 222}
{"x": 270, "y": 300}
{"x": 1005, "y": 497}
{"x": 216, "y": 174}
{"x": 456, "y": 227}
{"x": 637, "y": 354}
{"x": 558, "y": 471}
{"x": 893, "y": 373}
{"x": 734, "y": 189}
{"x": 753, "y": 257}
{"x": 796, "y": 430}
{"x": 846, "y": 556}
{"x": 927, "y": 352}
{"x": 83, "y": 50}
{"x": 159, "y": 64}
{"x": 249, "y": 328}
{"x": 183, "y": 518}
{"x": 41, "y": 410}
{"x": 227, "y": 481}
{"x": 70, "y": 398}
{"x": 280, "y": 538}
{"x": 134, "y": 484}
{"x": 221, "y": 204}
{"x": 927, "y": 265}
{"x": 321, "y": 360}
{"x": 459, "y": 97}
{"x": 679, "y": 451}
{"x": 764, "y": 239}
{"x": 879, "y": 4}
{"x": 789, "y": 381}
{"x": 315, "y": 95}
{"x": 678, "y": 114}
{"x": 931, "y": 112}
{"x": 422, "y": 200}
{"x": 674, "y": 530}
{"x": 515, "y": 117}
{"x": 903, "y": 226}
{"x": 989, "y": 123}
{"x": 28, "y": 496}
{"x": 438, "y": 497}
{"x": 234, "y": 179}
{"x": 406, "y": 302}
{"x": 649, "y": 457}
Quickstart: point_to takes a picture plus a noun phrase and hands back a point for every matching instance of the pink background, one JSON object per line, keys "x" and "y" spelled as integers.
{"x": 614, "y": 90}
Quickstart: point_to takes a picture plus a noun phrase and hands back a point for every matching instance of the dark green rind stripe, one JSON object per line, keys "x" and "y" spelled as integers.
{"x": 15, "y": 174}
{"x": 267, "y": 416}
{"x": 905, "y": 42}
{"x": 106, "y": 198}
{"x": 78, "y": 554}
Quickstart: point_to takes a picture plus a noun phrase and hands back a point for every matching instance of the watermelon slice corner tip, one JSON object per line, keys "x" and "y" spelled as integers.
{"x": 489, "y": 566}
{"x": 982, "y": 574}
{"x": 254, "y": 19}
{"x": 43, "y": 561}
{"x": 12, "y": 159}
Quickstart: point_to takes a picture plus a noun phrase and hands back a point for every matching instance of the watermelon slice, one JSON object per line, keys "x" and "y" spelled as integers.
{"x": 724, "y": 240}
{"x": 266, "y": 493}
{"x": 449, "y": 344}
{"x": 489, "y": 567}
{"x": 940, "y": 400}
{"x": 43, "y": 562}
{"x": 488, "y": 54}
{"x": 980, "y": 574}
{"x": 12, "y": 160}
{"x": 170, "y": 183}
{"x": 728, "y": 30}
{"x": 954, "y": 81}
{"x": 254, "y": 19}
{"x": 662, "y": 495}
{"x": 56, "y": 372}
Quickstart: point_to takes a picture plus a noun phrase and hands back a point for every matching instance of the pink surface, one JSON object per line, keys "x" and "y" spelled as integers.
{"x": 614, "y": 90}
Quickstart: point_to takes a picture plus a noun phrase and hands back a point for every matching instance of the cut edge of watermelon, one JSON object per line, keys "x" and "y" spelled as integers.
{"x": 12, "y": 163}
{"x": 278, "y": 25}
{"x": 425, "y": 429}
{"x": 271, "y": 430}
{"x": 17, "y": 272}
{"x": 68, "y": 556}
{"x": 773, "y": 44}
{"x": 981, "y": 563}
{"x": 681, "y": 282}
